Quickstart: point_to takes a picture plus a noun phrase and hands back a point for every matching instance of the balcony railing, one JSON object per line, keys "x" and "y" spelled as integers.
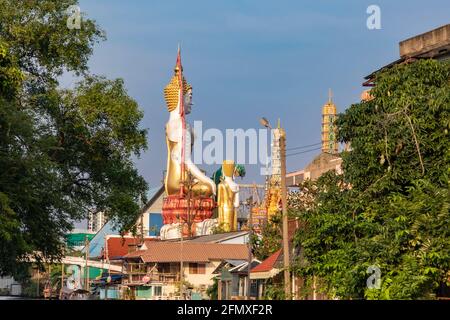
{"x": 167, "y": 298}
{"x": 153, "y": 278}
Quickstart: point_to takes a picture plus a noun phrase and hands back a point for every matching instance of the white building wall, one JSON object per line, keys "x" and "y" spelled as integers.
{"x": 205, "y": 279}
{"x": 238, "y": 240}
{"x": 13, "y": 287}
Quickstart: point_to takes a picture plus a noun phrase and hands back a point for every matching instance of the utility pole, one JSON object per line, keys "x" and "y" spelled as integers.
{"x": 282, "y": 142}
{"x": 38, "y": 278}
{"x": 181, "y": 261}
{"x": 187, "y": 186}
{"x": 50, "y": 279}
{"x": 62, "y": 278}
{"x": 189, "y": 195}
{"x": 286, "y": 262}
{"x": 250, "y": 233}
{"x": 219, "y": 288}
{"x": 142, "y": 224}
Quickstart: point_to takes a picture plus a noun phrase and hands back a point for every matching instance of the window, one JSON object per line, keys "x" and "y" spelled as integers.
{"x": 157, "y": 291}
{"x": 155, "y": 224}
{"x": 163, "y": 268}
{"x": 254, "y": 288}
{"x": 197, "y": 268}
{"x": 168, "y": 268}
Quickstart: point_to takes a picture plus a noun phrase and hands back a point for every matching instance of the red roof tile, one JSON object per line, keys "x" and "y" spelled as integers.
{"x": 192, "y": 252}
{"x": 117, "y": 247}
{"x": 267, "y": 264}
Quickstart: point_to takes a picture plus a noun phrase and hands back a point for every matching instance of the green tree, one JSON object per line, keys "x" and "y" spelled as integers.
{"x": 269, "y": 240}
{"x": 390, "y": 208}
{"x": 62, "y": 151}
{"x": 274, "y": 291}
{"x": 213, "y": 290}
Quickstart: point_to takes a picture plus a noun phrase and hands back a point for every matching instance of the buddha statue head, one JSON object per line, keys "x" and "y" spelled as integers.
{"x": 172, "y": 92}
{"x": 188, "y": 101}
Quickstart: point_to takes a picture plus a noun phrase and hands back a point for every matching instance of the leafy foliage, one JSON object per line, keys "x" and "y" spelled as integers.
{"x": 274, "y": 291}
{"x": 212, "y": 290}
{"x": 269, "y": 241}
{"x": 63, "y": 152}
{"x": 390, "y": 208}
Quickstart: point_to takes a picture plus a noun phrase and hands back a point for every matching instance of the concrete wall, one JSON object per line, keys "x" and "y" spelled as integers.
{"x": 321, "y": 164}
{"x": 11, "y": 286}
{"x": 243, "y": 239}
{"x": 425, "y": 42}
{"x": 201, "y": 279}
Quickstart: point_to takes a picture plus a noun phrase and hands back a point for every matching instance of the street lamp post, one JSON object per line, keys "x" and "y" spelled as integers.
{"x": 250, "y": 205}
{"x": 286, "y": 261}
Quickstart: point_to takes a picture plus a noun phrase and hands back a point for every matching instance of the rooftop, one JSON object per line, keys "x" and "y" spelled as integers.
{"x": 162, "y": 251}
{"x": 434, "y": 44}
{"x": 220, "y": 237}
{"x": 268, "y": 264}
{"x": 97, "y": 243}
{"x": 429, "y": 44}
{"x": 117, "y": 246}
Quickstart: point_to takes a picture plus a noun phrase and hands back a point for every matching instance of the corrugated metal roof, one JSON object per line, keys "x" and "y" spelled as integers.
{"x": 244, "y": 266}
{"x": 215, "y": 238}
{"x": 190, "y": 252}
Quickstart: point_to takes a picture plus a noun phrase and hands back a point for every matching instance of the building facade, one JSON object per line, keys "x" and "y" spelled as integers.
{"x": 96, "y": 220}
{"x": 158, "y": 271}
{"x": 329, "y": 129}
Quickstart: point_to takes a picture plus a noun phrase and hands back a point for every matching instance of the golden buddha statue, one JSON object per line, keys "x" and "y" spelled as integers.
{"x": 228, "y": 198}
{"x": 274, "y": 202}
{"x": 202, "y": 185}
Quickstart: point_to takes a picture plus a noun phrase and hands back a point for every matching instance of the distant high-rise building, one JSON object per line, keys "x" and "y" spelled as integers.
{"x": 329, "y": 130}
{"x": 96, "y": 220}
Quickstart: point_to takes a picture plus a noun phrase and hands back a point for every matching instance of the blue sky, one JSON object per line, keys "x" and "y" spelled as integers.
{"x": 247, "y": 59}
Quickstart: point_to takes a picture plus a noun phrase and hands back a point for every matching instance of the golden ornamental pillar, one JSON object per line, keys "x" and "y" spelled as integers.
{"x": 228, "y": 198}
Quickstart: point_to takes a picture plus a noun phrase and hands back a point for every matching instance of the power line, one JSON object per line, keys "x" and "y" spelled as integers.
{"x": 296, "y": 153}
{"x": 302, "y": 147}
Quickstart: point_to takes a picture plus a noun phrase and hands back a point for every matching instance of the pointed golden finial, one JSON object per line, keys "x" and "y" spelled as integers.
{"x": 279, "y": 123}
{"x": 330, "y": 96}
{"x": 178, "y": 64}
{"x": 172, "y": 90}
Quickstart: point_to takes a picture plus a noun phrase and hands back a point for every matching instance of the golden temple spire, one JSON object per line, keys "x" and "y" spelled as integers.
{"x": 329, "y": 132}
{"x": 172, "y": 90}
{"x": 178, "y": 65}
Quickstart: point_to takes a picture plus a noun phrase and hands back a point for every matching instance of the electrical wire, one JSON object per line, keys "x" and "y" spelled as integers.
{"x": 296, "y": 153}
{"x": 302, "y": 147}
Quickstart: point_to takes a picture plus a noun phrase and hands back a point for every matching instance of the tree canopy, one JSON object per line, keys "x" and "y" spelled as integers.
{"x": 390, "y": 207}
{"x": 63, "y": 152}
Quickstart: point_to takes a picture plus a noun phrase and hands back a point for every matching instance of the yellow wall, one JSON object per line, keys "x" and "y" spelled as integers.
{"x": 201, "y": 279}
